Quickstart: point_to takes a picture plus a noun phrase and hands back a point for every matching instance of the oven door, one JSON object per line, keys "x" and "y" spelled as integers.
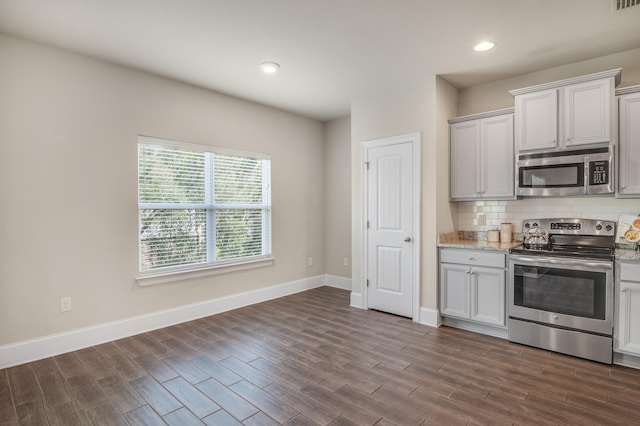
{"x": 569, "y": 293}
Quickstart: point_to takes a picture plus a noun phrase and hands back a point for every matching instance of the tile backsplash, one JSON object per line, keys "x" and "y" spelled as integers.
{"x": 486, "y": 215}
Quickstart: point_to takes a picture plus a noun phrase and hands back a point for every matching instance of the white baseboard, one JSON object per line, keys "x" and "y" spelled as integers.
{"x": 356, "y": 300}
{"x": 626, "y": 360}
{"x": 338, "y": 282}
{"x": 55, "y": 344}
{"x": 430, "y": 317}
{"x": 495, "y": 331}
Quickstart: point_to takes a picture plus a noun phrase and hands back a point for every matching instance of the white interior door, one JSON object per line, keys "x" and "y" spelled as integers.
{"x": 390, "y": 226}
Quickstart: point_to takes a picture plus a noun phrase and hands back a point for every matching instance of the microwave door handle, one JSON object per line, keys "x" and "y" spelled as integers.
{"x": 585, "y": 188}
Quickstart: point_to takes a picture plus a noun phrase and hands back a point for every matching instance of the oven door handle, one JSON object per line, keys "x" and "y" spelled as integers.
{"x": 562, "y": 261}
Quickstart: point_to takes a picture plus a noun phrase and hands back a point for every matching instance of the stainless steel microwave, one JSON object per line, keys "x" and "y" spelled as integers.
{"x": 566, "y": 173}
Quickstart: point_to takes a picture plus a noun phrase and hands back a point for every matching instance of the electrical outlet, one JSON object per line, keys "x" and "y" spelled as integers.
{"x": 345, "y": 261}
{"x": 65, "y": 304}
{"x": 310, "y": 261}
{"x": 482, "y": 219}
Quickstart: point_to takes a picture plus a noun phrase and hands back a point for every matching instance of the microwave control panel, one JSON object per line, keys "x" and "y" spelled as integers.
{"x": 598, "y": 172}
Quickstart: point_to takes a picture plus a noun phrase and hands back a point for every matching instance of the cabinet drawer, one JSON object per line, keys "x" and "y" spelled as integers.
{"x": 630, "y": 272}
{"x": 473, "y": 257}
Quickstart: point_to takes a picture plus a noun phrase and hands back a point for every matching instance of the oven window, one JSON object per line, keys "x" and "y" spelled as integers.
{"x": 561, "y": 291}
{"x": 552, "y": 176}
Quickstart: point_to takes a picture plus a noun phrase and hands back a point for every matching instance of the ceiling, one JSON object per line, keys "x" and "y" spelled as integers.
{"x": 329, "y": 50}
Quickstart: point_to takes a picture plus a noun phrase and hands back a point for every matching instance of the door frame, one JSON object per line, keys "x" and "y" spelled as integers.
{"x": 414, "y": 139}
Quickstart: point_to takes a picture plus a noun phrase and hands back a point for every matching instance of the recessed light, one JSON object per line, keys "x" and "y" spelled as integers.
{"x": 485, "y": 45}
{"x": 269, "y": 67}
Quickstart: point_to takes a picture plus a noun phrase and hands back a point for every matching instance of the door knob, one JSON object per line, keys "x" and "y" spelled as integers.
{"x": 407, "y": 239}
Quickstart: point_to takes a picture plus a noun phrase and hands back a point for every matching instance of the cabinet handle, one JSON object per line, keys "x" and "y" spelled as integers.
{"x": 624, "y": 290}
{"x": 472, "y": 258}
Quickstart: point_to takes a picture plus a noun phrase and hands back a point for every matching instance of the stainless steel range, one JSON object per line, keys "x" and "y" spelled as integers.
{"x": 561, "y": 287}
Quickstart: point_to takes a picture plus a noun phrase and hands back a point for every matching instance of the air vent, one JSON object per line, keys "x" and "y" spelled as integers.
{"x": 620, "y": 5}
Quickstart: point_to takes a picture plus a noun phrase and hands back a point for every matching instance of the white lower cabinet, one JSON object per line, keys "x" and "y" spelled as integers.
{"x": 473, "y": 285}
{"x": 627, "y": 330}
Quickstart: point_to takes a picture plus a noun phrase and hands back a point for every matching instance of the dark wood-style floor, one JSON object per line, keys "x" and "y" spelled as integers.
{"x": 310, "y": 359}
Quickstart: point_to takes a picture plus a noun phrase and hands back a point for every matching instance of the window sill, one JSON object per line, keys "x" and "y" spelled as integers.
{"x": 164, "y": 277}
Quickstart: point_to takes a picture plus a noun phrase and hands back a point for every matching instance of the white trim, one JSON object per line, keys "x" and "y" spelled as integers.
{"x": 338, "y": 282}
{"x": 500, "y": 332}
{"x": 356, "y": 301}
{"x": 627, "y": 90}
{"x": 55, "y": 344}
{"x": 626, "y": 360}
{"x": 615, "y": 73}
{"x": 415, "y": 140}
{"x": 152, "y": 140}
{"x": 478, "y": 116}
{"x": 185, "y": 273}
{"x": 430, "y": 317}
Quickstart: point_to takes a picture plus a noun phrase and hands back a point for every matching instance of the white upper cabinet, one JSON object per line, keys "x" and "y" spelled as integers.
{"x": 482, "y": 159}
{"x": 537, "y": 120}
{"x": 568, "y": 113}
{"x": 465, "y": 159}
{"x": 629, "y": 158}
{"x": 587, "y": 112}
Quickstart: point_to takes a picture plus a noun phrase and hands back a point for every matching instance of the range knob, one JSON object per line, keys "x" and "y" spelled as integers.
{"x": 526, "y": 225}
{"x": 608, "y": 228}
{"x": 534, "y": 224}
{"x": 598, "y": 227}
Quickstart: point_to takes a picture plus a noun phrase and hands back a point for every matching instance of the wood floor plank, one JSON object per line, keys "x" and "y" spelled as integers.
{"x": 220, "y": 418}
{"x": 216, "y": 370}
{"x": 31, "y": 413}
{"x": 24, "y": 385}
{"x": 311, "y": 408}
{"x": 194, "y": 400}
{"x": 66, "y": 415}
{"x": 121, "y": 393}
{"x": 105, "y": 415}
{"x": 54, "y": 388}
{"x": 386, "y": 406}
{"x": 7, "y": 406}
{"x": 274, "y": 408}
{"x": 156, "y": 396}
{"x": 247, "y": 372}
{"x": 227, "y": 399}
{"x": 94, "y": 363}
{"x": 182, "y": 417}
{"x": 144, "y": 416}
{"x": 155, "y": 367}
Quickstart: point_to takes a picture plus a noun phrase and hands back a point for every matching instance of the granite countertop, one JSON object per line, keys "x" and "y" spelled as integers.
{"x": 627, "y": 254}
{"x": 478, "y": 241}
{"x": 473, "y": 240}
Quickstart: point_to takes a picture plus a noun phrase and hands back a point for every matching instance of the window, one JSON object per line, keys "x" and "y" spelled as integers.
{"x": 201, "y": 207}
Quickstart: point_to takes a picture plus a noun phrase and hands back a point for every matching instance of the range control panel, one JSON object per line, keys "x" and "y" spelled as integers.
{"x": 567, "y": 226}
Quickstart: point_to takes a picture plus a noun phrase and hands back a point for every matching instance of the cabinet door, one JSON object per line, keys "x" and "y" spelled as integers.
{"x": 587, "y": 112}
{"x": 488, "y": 295}
{"x": 465, "y": 152}
{"x": 628, "y": 330}
{"x": 536, "y": 124}
{"x": 454, "y": 290}
{"x": 497, "y": 161}
{"x": 629, "y": 158}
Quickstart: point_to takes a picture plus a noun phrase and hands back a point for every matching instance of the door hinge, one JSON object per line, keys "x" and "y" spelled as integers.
{"x": 366, "y": 163}
{"x": 367, "y": 282}
{"x": 367, "y": 224}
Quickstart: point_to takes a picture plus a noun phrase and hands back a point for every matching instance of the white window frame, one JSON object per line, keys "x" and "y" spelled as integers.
{"x": 183, "y": 272}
